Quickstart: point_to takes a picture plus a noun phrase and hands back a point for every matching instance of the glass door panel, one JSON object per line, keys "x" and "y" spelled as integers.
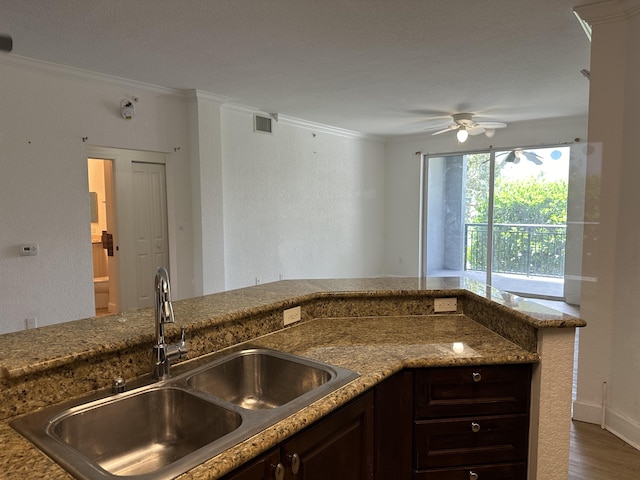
{"x": 498, "y": 217}
{"x": 456, "y": 198}
{"x": 530, "y": 220}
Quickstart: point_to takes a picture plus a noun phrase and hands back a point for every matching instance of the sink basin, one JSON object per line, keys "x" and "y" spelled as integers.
{"x": 143, "y": 433}
{"x": 261, "y": 379}
{"x": 156, "y": 432}
{"x": 161, "y": 430}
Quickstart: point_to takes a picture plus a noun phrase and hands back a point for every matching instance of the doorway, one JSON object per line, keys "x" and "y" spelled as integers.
{"x": 137, "y": 230}
{"x": 103, "y": 225}
{"x": 498, "y": 216}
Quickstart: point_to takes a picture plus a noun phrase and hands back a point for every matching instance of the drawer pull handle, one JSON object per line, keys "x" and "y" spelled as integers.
{"x": 278, "y": 472}
{"x": 476, "y": 376}
{"x": 294, "y": 461}
{"x": 475, "y": 427}
{"x": 473, "y": 475}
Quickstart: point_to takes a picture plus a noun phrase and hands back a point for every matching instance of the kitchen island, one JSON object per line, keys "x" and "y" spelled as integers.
{"x": 377, "y": 327}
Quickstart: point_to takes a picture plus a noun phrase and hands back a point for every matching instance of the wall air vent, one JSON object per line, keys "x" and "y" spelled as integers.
{"x": 262, "y": 124}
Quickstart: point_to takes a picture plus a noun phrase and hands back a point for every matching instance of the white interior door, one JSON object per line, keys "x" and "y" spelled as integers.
{"x": 149, "y": 211}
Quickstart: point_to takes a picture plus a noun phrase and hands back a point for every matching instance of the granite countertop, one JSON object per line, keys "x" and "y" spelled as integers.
{"x": 376, "y": 347}
{"x": 29, "y": 351}
{"x": 374, "y": 326}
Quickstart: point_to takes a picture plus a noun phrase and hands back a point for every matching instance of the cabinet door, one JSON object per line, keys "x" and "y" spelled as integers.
{"x": 339, "y": 447}
{"x": 261, "y": 468}
{"x": 393, "y": 412}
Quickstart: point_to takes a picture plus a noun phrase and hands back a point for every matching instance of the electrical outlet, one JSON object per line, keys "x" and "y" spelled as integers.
{"x": 31, "y": 323}
{"x": 445, "y": 304}
{"x": 292, "y": 315}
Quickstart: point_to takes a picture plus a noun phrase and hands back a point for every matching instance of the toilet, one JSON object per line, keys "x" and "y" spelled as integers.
{"x": 101, "y": 291}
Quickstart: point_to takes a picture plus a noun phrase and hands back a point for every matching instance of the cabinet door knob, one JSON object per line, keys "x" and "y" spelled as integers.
{"x": 278, "y": 472}
{"x": 476, "y": 376}
{"x": 475, "y": 427}
{"x": 294, "y": 460}
{"x": 473, "y": 475}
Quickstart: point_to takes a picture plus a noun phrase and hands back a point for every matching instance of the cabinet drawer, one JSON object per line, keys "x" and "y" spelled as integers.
{"x": 462, "y": 391}
{"x": 509, "y": 471}
{"x": 470, "y": 441}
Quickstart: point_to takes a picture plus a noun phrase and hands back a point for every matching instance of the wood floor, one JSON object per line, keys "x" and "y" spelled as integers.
{"x": 597, "y": 454}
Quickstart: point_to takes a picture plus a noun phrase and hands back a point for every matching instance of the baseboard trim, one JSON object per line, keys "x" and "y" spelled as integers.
{"x": 587, "y": 412}
{"x": 623, "y": 427}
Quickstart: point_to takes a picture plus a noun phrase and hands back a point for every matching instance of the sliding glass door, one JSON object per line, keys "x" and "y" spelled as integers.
{"x": 499, "y": 217}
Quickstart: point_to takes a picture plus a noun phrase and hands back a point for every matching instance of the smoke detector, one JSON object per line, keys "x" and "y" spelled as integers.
{"x": 127, "y": 109}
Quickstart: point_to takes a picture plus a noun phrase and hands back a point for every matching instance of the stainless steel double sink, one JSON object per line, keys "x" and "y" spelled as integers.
{"x": 161, "y": 430}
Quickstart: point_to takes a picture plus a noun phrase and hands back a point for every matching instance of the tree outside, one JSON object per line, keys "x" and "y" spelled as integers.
{"x": 529, "y": 212}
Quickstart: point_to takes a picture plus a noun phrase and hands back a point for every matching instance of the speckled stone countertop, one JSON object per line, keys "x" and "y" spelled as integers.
{"x": 374, "y": 326}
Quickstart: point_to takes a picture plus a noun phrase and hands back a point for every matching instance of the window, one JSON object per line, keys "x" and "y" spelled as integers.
{"x": 499, "y": 216}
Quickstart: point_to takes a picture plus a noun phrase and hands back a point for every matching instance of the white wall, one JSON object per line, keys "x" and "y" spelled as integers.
{"x": 610, "y": 303}
{"x": 300, "y": 203}
{"x": 402, "y": 177}
{"x": 307, "y": 201}
{"x": 46, "y": 112}
{"x": 205, "y": 138}
{"x": 241, "y": 206}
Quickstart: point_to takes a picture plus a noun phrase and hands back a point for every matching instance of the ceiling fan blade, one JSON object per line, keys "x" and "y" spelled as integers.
{"x": 448, "y": 129}
{"x": 533, "y": 157}
{"x": 511, "y": 158}
{"x": 492, "y": 125}
{"x": 6, "y": 43}
{"x": 475, "y": 129}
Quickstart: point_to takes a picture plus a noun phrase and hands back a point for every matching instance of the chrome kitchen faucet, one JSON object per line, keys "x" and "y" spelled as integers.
{"x": 163, "y": 354}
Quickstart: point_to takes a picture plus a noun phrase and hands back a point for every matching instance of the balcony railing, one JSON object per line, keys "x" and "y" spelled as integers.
{"x": 531, "y": 250}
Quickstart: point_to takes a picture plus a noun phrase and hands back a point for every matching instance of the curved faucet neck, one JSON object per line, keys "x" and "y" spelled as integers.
{"x": 163, "y": 353}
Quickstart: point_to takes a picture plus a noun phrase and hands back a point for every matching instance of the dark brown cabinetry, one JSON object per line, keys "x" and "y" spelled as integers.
{"x": 453, "y": 423}
{"x": 449, "y": 423}
{"x": 262, "y": 468}
{"x": 339, "y": 447}
{"x": 393, "y": 409}
{"x": 471, "y": 423}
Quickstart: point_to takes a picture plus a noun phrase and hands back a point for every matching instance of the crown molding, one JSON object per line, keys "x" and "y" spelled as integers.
{"x": 197, "y": 95}
{"x": 194, "y": 95}
{"x": 64, "y": 71}
{"x": 608, "y": 11}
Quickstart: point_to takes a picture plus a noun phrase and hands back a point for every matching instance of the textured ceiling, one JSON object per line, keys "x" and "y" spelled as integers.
{"x": 381, "y": 67}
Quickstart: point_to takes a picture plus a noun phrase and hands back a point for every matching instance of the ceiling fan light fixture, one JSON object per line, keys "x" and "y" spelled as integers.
{"x": 462, "y": 135}
{"x": 490, "y": 132}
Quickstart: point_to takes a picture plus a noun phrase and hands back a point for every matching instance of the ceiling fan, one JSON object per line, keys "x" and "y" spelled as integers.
{"x": 465, "y": 125}
{"x": 514, "y": 156}
{"x": 6, "y": 42}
